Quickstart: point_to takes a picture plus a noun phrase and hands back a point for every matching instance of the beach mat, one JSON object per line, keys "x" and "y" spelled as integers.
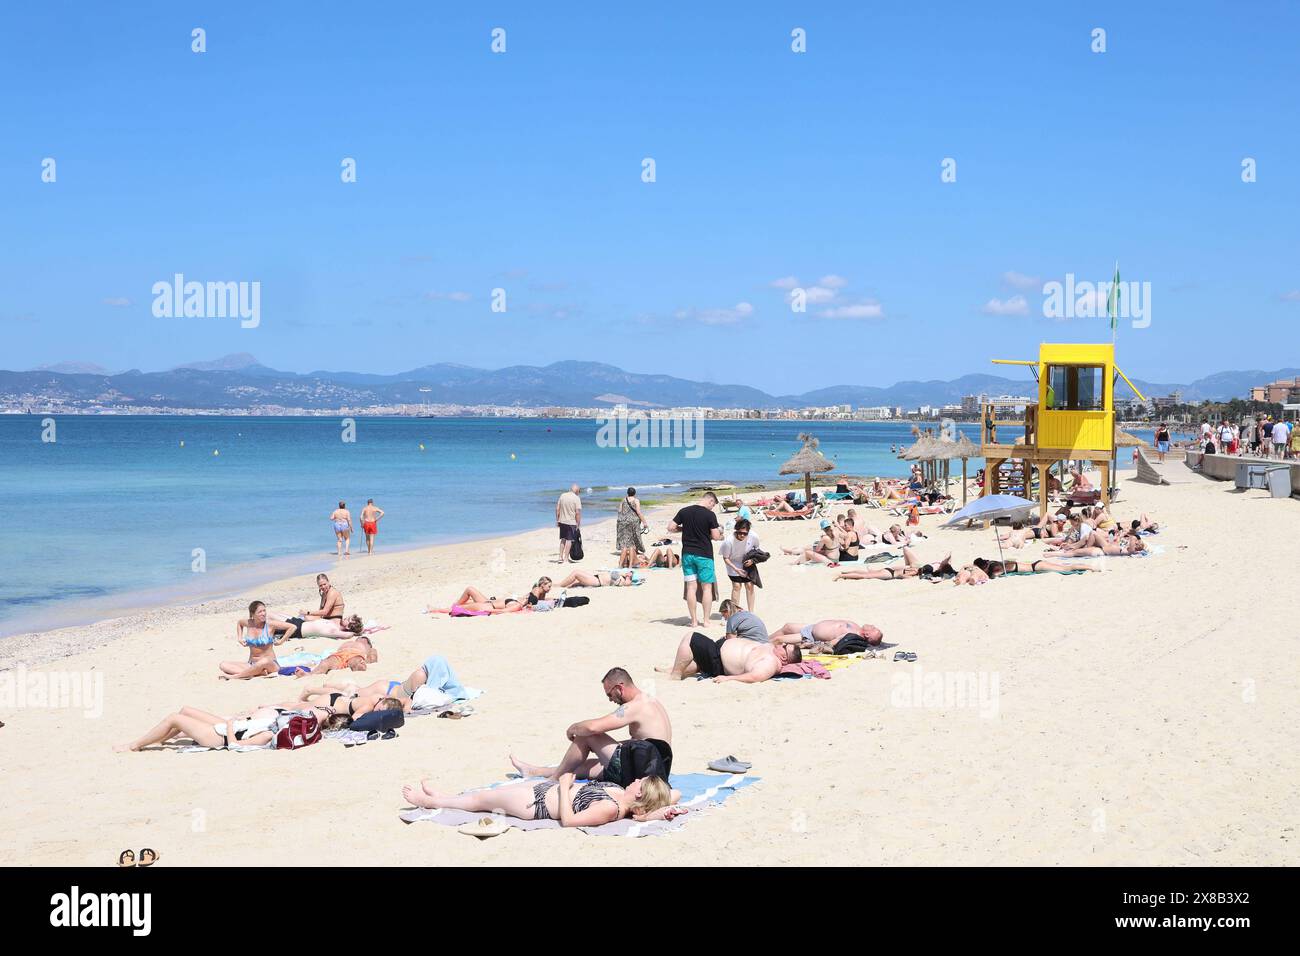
{"x": 699, "y": 792}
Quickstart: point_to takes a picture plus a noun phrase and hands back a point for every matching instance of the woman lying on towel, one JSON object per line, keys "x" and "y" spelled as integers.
{"x": 589, "y": 805}
{"x": 474, "y": 603}
{"x": 251, "y": 729}
{"x": 995, "y": 569}
{"x": 1124, "y": 545}
{"x": 618, "y": 578}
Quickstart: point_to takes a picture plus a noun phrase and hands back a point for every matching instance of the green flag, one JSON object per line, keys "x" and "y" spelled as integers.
{"x": 1112, "y": 301}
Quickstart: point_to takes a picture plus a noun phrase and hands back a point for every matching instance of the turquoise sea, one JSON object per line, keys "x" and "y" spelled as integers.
{"x": 112, "y": 511}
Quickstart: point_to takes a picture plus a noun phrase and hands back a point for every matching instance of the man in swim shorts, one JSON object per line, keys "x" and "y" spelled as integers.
{"x": 699, "y": 527}
{"x": 351, "y": 655}
{"x": 827, "y": 633}
{"x": 370, "y": 516}
{"x": 730, "y": 660}
{"x": 593, "y": 753}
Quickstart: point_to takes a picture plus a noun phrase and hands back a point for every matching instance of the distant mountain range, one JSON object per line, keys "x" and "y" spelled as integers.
{"x": 240, "y": 382}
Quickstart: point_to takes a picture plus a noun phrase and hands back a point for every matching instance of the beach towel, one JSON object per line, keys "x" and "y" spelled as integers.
{"x": 806, "y": 668}
{"x": 835, "y": 662}
{"x": 700, "y": 792}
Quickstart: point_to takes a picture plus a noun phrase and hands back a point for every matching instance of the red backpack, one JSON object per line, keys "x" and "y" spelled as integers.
{"x": 295, "y": 729}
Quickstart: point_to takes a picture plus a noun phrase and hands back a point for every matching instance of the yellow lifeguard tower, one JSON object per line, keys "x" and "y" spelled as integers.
{"x": 1073, "y": 419}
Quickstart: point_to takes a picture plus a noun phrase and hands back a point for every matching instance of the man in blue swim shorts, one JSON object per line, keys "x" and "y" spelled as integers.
{"x": 699, "y": 527}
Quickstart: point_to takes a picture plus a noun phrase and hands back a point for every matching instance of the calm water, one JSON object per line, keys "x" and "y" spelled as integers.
{"x": 116, "y": 505}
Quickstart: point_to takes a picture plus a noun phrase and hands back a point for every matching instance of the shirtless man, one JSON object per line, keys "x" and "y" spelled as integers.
{"x": 594, "y": 754}
{"x": 341, "y": 522}
{"x": 821, "y": 637}
{"x": 726, "y": 660}
{"x": 351, "y": 655}
{"x": 370, "y": 516}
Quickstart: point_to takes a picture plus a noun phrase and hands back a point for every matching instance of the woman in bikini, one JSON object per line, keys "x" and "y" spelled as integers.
{"x": 911, "y": 568}
{"x": 618, "y": 578}
{"x": 589, "y": 805}
{"x": 260, "y": 634}
{"x": 996, "y": 569}
{"x": 474, "y": 601}
{"x": 339, "y": 630}
{"x": 352, "y": 655}
{"x": 331, "y": 602}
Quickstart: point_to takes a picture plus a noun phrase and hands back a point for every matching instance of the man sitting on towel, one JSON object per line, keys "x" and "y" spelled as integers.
{"x": 730, "y": 659}
{"x": 594, "y": 754}
{"x": 822, "y": 637}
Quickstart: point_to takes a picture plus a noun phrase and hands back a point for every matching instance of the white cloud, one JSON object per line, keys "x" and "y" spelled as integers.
{"x": 833, "y": 281}
{"x": 816, "y": 295}
{"x": 1016, "y": 305}
{"x": 1019, "y": 280}
{"x": 787, "y": 282}
{"x": 1292, "y": 296}
{"x": 120, "y": 301}
{"x": 863, "y": 310}
{"x": 741, "y": 310}
{"x": 451, "y": 296}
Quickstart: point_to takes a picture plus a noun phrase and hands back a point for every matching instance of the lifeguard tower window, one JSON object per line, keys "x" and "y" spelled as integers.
{"x": 1076, "y": 388}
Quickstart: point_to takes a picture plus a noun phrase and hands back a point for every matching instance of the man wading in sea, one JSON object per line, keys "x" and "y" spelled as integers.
{"x": 370, "y": 516}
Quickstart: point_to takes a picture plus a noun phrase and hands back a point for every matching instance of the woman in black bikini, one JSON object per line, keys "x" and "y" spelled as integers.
{"x": 589, "y": 805}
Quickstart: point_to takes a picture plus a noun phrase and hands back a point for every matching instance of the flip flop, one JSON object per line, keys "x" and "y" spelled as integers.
{"x": 900, "y": 656}
{"x": 910, "y": 657}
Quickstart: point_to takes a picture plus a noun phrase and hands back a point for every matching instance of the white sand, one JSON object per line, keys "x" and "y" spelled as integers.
{"x": 1145, "y": 715}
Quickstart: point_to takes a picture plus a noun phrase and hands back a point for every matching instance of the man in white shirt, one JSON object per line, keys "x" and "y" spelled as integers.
{"x": 1225, "y": 438}
{"x": 568, "y": 515}
{"x": 1281, "y": 432}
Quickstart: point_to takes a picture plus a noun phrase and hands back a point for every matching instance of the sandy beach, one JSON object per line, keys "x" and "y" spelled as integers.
{"x": 1144, "y": 715}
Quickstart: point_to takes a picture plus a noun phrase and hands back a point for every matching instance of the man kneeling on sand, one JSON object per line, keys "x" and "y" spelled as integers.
{"x": 823, "y": 636}
{"x": 732, "y": 658}
{"x": 594, "y": 754}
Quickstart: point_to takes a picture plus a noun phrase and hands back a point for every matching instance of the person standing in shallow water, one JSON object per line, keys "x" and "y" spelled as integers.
{"x": 341, "y": 521}
{"x": 370, "y": 516}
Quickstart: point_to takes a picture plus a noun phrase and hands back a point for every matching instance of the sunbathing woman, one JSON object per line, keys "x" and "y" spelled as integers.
{"x": 350, "y": 701}
{"x": 475, "y": 601}
{"x": 260, "y": 635}
{"x": 589, "y": 805}
{"x": 825, "y": 551}
{"x": 659, "y": 558}
{"x": 618, "y": 578}
{"x": 996, "y": 569}
{"x": 911, "y": 569}
{"x": 252, "y": 729}
{"x": 1096, "y": 545}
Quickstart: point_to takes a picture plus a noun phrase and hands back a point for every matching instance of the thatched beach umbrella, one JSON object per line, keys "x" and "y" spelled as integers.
{"x": 965, "y": 449}
{"x": 807, "y": 461}
{"x": 1124, "y": 440}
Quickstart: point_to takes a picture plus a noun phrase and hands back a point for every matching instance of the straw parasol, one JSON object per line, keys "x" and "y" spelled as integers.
{"x": 1124, "y": 440}
{"x": 807, "y": 461}
{"x": 965, "y": 448}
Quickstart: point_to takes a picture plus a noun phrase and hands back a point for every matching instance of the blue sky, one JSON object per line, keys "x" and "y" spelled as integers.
{"x": 522, "y": 171}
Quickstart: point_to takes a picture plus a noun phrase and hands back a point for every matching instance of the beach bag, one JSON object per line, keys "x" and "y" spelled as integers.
{"x": 576, "y": 601}
{"x": 575, "y": 549}
{"x": 850, "y": 644}
{"x": 295, "y": 729}
{"x": 640, "y": 758}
